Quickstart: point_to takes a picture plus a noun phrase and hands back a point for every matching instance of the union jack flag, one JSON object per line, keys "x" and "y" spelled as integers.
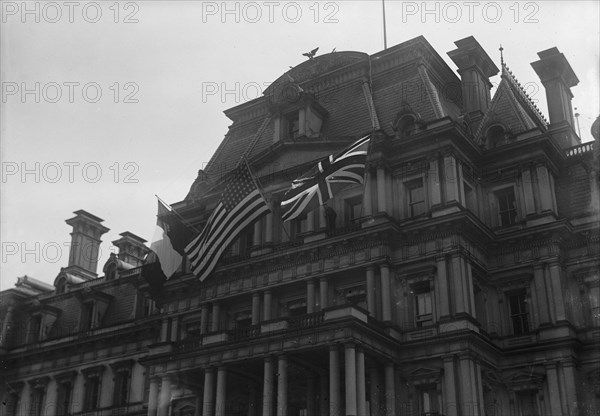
{"x": 324, "y": 180}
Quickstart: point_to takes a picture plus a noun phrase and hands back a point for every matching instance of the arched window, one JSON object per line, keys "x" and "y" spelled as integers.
{"x": 495, "y": 135}
{"x": 406, "y": 125}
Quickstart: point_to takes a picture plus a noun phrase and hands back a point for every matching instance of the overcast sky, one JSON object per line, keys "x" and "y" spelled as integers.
{"x": 106, "y": 104}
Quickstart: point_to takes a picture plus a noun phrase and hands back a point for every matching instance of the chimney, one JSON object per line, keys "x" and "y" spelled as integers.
{"x": 558, "y": 77}
{"x": 475, "y": 68}
{"x": 85, "y": 244}
{"x": 132, "y": 249}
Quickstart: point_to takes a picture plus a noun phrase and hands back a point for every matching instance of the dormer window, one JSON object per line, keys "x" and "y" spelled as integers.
{"x": 496, "y": 135}
{"x": 292, "y": 123}
{"x": 406, "y": 125}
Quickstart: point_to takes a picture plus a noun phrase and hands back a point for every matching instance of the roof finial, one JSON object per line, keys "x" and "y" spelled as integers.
{"x": 501, "y": 55}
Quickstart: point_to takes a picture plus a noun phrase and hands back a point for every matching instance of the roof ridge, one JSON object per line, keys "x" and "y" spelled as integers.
{"x": 512, "y": 80}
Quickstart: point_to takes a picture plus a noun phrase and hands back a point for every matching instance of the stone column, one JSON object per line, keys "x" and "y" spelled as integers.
{"x": 569, "y": 382}
{"x": 310, "y": 296}
{"x": 334, "y": 381}
{"x": 557, "y": 291}
{"x": 164, "y": 330}
{"x": 257, "y": 234}
{"x": 282, "y": 386}
{"x": 255, "y": 308}
{"x": 390, "y": 389}
{"x": 433, "y": 183}
{"x": 269, "y": 228}
{"x": 450, "y": 404}
{"x": 78, "y": 394}
{"x": 50, "y": 408}
{"x": 441, "y": 288}
{"x": 361, "y": 394}
{"x": 268, "y": 387}
{"x": 542, "y": 295}
{"x": 545, "y": 188}
{"x": 204, "y": 319}
{"x": 165, "y": 396}
{"x": 371, "y": 305}
{"x": 323, "y": 292}
{"x": 466, "y": 385}
{"x": 458, "y": 283}
{"x": 553, "y": 389}
{"x": 528, "y": 191}
{"x": 221, "y": 401}
{"x": 268, "y": 297}
{"x": 153, "y": 397}
{"x": 208, "y": 403}
{"x": 450, "y": 175}
{"x": 216, "y": 315}
{"x": 350, "y": 379}
{"x": 367, "y": 199}
{"x": 386, "y": 306}
{"x": 381, "y": 189}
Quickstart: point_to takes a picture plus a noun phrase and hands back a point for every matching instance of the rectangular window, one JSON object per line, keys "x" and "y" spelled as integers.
{"x": 423, "y": 304}
{"x": 517, "y": 302}
{"x": 429, "y": 401}
{"x": 292, "y": 121}
{"x": 416, "y": 197}
{"x": 299, "y": 225}
{"x": 92, "y": 393}
{"x": 527, "y": 403}
{"x": 35, "y": 326}
{"x": 64, "y": 398}
{"x": 37, "y": 401}
{"x": 87, "y": 316}
{"x": 122, "y": 380}
{"x": 353, "y": 210}
{"x": 149, "y": 306}
{"x": 507, "y": 206}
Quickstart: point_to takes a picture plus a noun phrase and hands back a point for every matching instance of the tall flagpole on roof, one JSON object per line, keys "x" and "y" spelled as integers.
{"x": 384, "y": 26}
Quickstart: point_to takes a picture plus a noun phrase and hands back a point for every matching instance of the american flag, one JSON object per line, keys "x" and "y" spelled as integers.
{"x": 241, "y": 204}
{"x": 324, "y": 180}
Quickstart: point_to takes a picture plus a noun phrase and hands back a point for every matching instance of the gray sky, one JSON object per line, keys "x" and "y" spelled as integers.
{"x": 131, "y": 94}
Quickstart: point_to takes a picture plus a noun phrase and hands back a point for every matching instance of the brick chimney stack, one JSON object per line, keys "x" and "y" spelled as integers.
{"x": 475, "y": 68}
{"x": 558, "y": 77}
{"x": 132, "y": 249}
{"x": 85, "y": 244}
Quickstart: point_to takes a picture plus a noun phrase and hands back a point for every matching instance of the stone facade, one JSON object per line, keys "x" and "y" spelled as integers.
{"x": 461, "y": 280}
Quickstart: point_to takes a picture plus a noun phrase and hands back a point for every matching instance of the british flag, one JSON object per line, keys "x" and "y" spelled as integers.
{"x": 324, "y": 180}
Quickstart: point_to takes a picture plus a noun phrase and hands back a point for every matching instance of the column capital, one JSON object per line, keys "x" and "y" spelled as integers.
{"x": 551, "y": 365}
{"x": 448, "y": 358}
{"x": 350, "y": 344}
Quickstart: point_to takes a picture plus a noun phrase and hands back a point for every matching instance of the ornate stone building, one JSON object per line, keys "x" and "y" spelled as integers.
{"x": 461, "y": 280}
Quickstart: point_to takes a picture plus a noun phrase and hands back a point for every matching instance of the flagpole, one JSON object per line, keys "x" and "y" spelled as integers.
{"x": 384, "y": 26}
{"x": 183, "y": 220}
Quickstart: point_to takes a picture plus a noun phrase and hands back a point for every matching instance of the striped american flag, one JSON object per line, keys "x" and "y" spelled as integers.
{"x": 323, "y": 181}
{"x": 241, "y": 204}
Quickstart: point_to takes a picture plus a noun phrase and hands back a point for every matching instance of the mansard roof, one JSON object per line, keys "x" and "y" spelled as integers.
{"x": 356, "y": 93}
